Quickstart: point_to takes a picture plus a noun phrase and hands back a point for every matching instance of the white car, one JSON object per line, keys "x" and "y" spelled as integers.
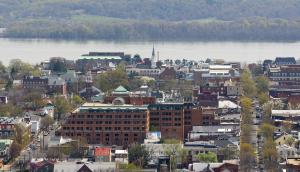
{"x": 28, "y": 149}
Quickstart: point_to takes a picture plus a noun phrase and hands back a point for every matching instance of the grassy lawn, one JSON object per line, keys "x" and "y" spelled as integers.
{"x": 208, "y": 20}
{"x": 90, "y": 18}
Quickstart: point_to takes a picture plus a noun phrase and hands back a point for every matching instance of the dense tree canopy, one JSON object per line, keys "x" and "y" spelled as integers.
{"x": 228, "y": 19}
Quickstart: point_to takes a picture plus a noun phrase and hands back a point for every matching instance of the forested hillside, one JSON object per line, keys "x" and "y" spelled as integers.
{"x": 159, "y": 18}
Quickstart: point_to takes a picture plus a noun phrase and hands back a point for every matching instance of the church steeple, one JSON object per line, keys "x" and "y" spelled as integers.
{"x": 153, "y": 52}
{"x": 153, "y": 58}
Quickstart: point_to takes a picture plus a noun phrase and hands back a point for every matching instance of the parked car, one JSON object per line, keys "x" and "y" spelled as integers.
{"x": 45, "y": 134}
{"x": 28, "y": 149}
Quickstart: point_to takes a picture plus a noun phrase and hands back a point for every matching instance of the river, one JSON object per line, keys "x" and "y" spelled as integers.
{"x": 36, "y": 50}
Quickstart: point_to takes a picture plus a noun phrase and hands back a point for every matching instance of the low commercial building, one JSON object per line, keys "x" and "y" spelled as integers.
{"x": 102, "y": 155}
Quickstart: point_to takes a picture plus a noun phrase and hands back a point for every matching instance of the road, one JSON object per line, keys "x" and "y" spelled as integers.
{"x": 29, "y": 155}
{"x": 254, "y": 139}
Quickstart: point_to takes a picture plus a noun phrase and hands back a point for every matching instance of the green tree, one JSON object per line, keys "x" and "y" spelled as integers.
{"x": 61, "y": 106}
{"x": 112, "y": 80}
{"x": 2, "y": 66}
{"x": 153, "y": 128}
{"x": 33, "y": 101}
{"x": 267, "y": 130}
{"x": 58, "y": 66}
{"x": 263, "y": 98}
{"x": 133, "y": 74}
{"x": 9, "y": 85}
{"x": 229, "y": 153}
{"x": 77, "y": 100}
{"x": 151, "y": 83}
{"x": 209, "y": 157}
{"x": 270, "y": 155}
{"x": 246, "y": 103}
{"x": 66, "y": 149}
{"x": 262, "y": 83}
{"x": 17, "y": 64}
{"x": 138, "y": 155}
{"x": 246, "y": 24}
{"x": 246, "y": 156}
{"x": 169, "y": 84}
{"x": 16, "y": 149}
{"x": 188, "y": 95}
{"x": 121, "y": 66}
{"x": 173, "y": 148}
{"x": 247, "y": 83}
{"x": 46, "y": 122}
{"x": 130, "y": 167}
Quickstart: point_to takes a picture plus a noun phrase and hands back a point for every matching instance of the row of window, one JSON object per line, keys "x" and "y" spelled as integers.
{"x": 100, "y": 128}
{"x": 33, "y": 82}
{"x": 108, "y": 122}
{"x": 169, "y": 76}
{"x": 165, "y": 119}
{"x": 166, "y": 113}
{"x": 109, "y": 116}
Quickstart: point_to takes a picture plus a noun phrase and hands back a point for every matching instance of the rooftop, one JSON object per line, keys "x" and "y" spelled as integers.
{"x": 102, "y": 151}
{"x": 99, "y": 57}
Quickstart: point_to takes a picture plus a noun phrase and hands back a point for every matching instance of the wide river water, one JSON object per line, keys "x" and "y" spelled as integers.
{"x": 37, "y": 50}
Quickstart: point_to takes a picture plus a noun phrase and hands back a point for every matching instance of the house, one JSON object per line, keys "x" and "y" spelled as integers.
{"x": 5, "y": 145}
{"x": 86, "y": 167}
{"x": 57, "y": 141}
{"x": 121, "y": 156}
{"x": 286, "y": 151}
{"x": 228, "y": 106}
{"x": 102, "y": 155}
{"x": 214, "y": 167}
{"x": 48, "y": 166}
{"x": 285, "y": 61}
{"x": 280, "y": 139}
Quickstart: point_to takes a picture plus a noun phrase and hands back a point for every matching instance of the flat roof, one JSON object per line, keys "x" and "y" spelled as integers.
{"x": 99, "y": 57}
{"x": 96, "y": 106}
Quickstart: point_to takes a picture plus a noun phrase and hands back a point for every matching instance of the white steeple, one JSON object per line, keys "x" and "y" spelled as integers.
{"x": 153, "y": 59}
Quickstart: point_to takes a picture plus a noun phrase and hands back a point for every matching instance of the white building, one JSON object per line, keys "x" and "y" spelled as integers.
{"x": 286, "y": 151}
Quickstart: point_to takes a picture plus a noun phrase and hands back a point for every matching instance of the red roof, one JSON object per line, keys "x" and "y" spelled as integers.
{"x": 102, "y": 151}
{"x": 39, "y": 164}
{"x": 51, "y": 161}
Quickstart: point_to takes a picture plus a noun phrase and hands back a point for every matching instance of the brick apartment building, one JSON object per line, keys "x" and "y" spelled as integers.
{"x": 294, "y": 99}
{"x": 214, "y": 88}
{"x": 49, "y": 84}
{"x": 169, "y": 73}
{"x": 129, "y": 98}
{"x": 108, "y": 124}
{"x": 178, "y": 119}
{"x": 122, "y": 124}
{"x": 207, "y": 98}
{"x": 285, "y": 75}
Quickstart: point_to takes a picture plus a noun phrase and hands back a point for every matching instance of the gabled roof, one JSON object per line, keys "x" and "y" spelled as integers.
{"x": 282, "y": 134}
{"x": 95, "y": 91}
{"x": 120, "y": 90}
